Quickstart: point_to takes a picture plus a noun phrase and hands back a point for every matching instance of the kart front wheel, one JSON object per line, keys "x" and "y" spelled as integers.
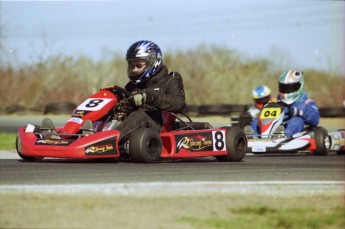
{"x": 236, "y": 144}
{"x": 145, "y": 146}
{"x": 19, "y": 151}
{"x": 322, "y": 141}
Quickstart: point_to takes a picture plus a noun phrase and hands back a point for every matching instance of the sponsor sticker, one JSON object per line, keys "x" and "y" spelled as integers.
{"x": 105, "y": 147}
{"x": 63, "y": 142}
{"x": 74, "y": 119}
{"x": 29, "y": 128}
{"x": 79, "y": 114}
{"x": 199, "y": 142}
{"x": 259, "y": 149}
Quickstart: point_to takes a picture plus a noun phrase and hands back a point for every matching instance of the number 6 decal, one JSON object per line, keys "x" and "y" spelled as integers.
{"x": 218, "y": 138}
{"x": 93, "y": 104}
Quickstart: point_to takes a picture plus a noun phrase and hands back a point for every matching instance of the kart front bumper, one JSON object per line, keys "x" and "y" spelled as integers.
{"x": 98, "y": 145}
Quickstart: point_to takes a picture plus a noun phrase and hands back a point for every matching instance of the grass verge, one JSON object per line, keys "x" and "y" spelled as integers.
{"x": 7, "y": 141}
{"x": 217, "y": 210}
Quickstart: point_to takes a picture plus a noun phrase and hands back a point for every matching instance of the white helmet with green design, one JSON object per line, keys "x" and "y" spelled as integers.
{"x": 291, "y": 86}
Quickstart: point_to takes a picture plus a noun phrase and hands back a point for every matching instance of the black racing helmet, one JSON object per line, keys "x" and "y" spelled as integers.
{"x": 150, "y": 53}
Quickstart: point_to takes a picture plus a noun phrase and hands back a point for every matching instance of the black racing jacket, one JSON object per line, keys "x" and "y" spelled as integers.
{"x": 164, "y": 92}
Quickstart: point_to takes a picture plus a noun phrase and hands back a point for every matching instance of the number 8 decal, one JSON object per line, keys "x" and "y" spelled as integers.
{"x": 93, "y": 104}
{"x": 218, "y": 138}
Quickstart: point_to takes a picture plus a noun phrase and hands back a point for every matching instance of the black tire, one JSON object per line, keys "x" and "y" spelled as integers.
{"x": 341, "y": 152}
{"x": 59, "y": 108}
{"x": 145, "y": 146}
{"x": 15, "y": 108}
{"x": 221, "y": 109}
{"x": 191, "y": 110}
{"x": 236, "y": 144}
{"x": 332, "y": 112}
{"x": 322, "y": 141}
{"x": 25, "y": 158}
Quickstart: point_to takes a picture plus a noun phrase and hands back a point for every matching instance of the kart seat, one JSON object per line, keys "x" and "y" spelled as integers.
{"x": 168, "y": 121}
{"x": 192, "y": 125}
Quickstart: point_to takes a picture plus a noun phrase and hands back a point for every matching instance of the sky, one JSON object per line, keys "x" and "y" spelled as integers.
{"x": 295, "y": 34}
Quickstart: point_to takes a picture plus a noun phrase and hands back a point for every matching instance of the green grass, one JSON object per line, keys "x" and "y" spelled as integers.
{"x": 188, "y": 211}
{"x": 7, "y": 141}
{"x": 270, "y": 217}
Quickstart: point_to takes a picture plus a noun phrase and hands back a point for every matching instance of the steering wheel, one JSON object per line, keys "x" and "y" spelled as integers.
{"x": 122, "y": 94}
{"x": 117, "y": 89}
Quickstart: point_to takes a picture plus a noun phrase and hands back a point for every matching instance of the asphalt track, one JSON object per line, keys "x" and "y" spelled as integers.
{"x": 287, "y": 169}
{"x": 254, "y": 168}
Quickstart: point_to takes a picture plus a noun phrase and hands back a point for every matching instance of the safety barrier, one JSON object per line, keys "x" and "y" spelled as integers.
{"x": 192, "y": 110}
{"x": 228, "y": 109}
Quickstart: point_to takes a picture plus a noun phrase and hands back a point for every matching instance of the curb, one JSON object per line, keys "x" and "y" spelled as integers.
{"x": 4, "y": 154}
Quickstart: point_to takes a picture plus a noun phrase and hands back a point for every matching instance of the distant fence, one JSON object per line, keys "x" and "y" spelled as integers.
{"x": 228, "y": 109}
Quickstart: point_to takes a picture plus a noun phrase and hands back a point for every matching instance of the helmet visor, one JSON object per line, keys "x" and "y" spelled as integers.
{"x": 289, "y": 88}
{"x": 263, "y": 100}
{"x": 136, "y": 66}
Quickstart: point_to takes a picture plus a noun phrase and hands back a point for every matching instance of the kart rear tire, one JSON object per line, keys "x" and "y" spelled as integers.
{"x": 236, "y": 145}
{"x": 19, "y": 151}
{"x": 145, "y": 146}
{"x": 322, "y": 141}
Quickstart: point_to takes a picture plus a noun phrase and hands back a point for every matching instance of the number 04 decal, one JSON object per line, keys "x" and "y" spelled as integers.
{"x": 270, "y": 113}
{"x": 218, "y": 138}
{"x": 93, "y": 104}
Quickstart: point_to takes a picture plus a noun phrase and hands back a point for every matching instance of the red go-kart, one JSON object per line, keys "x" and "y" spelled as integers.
{"x": 91, "y": 133}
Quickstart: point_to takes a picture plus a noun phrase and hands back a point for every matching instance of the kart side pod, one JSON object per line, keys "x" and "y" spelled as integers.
{"x": 226, "y": 144}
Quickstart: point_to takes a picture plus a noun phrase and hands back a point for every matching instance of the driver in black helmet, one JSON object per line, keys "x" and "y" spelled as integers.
{"x": 153, "y": 88}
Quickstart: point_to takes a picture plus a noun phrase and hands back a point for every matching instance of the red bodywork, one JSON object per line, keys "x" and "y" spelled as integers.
{"x": 104, "y": 144}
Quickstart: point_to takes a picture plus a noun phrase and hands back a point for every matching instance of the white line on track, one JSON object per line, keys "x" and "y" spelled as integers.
{"x": 186, "y": 188}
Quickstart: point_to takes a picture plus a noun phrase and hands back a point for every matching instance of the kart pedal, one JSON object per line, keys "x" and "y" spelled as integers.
{"x": 87, "y": 127}
{"x": 48, "y": 125}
